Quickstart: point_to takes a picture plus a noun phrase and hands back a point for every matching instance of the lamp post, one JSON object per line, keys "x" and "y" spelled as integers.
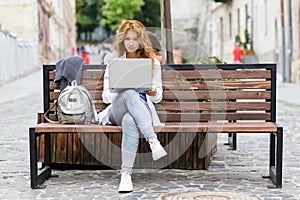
{"x": 166, "y": 26}
{"x": 282, "y": 41}
{"x": 252, "y": 14}
{"x": 162, "y": 25}
{"x": 290, "y": 42}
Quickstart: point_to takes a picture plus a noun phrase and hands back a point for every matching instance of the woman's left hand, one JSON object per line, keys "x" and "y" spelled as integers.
{"x": 151, "y": 92}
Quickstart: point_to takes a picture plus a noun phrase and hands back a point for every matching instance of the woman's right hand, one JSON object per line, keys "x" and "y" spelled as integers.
{"x": 151, "y": 92}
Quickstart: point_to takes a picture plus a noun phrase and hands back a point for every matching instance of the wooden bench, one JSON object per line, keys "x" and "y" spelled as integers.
{"x": 199, "y": 101}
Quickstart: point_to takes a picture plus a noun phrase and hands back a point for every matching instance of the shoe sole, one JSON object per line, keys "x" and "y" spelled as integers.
{"x": 163, "y": 155}
{"x": 125, "y": 191}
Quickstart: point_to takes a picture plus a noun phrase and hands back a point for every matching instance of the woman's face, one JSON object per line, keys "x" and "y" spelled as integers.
{"x": 131, "y": 41}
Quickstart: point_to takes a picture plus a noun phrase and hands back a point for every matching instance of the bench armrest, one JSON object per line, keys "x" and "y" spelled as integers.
{"x": 40, "y": 118}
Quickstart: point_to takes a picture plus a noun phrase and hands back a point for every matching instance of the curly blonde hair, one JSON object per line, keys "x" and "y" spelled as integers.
{"x": 145, "y": 49}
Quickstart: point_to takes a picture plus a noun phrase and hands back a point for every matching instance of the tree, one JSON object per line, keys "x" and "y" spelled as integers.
{"x": 87, "y": 12}
{"x": 114, "y": 11}
{"x": 150, "y": 14}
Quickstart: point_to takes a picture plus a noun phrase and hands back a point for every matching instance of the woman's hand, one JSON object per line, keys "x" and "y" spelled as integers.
{"x": 151, "y": 92}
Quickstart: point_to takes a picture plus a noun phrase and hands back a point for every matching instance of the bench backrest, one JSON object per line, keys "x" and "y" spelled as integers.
{"x": 192, "y": 93}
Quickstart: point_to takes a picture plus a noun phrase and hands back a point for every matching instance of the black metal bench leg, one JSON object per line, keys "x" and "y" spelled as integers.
{"x": 47, "y": 154}
{"x": 36, "y": 178}
{"x": 33, "y": 158}
{"x": 232, "y": 137}
{"x": 276, "y": 157}
{"x": 279, "y": 157}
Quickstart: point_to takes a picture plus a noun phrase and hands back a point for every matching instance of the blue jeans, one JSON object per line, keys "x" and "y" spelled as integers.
{"x": 131, "y": 112}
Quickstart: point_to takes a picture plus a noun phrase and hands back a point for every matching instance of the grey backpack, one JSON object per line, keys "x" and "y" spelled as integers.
{"x": 75, "y": 106}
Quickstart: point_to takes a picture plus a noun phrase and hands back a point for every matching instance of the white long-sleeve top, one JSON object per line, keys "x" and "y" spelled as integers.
{"x": 108, "y": 96}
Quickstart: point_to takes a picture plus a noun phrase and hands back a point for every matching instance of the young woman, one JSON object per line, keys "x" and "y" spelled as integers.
{"x": 134, "y": 111}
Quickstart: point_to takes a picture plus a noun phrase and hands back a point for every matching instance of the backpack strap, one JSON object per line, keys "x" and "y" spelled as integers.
{"x": 46, "y": 113}
{"x": 74, "y": 83}
{"x": 95, "y": 114}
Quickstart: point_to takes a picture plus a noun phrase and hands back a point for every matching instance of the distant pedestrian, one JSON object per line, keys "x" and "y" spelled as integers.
{"x": 237, "y": 54}
{"x": 73, "y": 51}
{"x": 85, "y": 56}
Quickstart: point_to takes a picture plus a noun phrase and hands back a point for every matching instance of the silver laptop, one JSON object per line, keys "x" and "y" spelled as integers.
{"x": 130, "y": 74}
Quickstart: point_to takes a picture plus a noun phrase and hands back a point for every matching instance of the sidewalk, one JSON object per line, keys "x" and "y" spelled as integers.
{"x": 288, "y": 93}
{"x": 230, "y": 173}
{"x": 23, "y": 87}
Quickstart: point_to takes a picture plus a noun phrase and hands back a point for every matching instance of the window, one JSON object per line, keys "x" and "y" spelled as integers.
{"x": 238, "y": 21}
{"x": 230, "y": 26}
{"x": 266, "y": 17}
{"x": 246, "y": 15}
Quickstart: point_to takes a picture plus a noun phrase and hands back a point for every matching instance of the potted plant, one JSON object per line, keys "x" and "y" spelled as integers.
{"x": 246, "y": 43}
{"x": 238, "y": 39}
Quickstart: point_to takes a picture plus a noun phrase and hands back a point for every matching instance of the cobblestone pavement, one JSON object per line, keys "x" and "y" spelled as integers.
{"x": 238, "y": 172}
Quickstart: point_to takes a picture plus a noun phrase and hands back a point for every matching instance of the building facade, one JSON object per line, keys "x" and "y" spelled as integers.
{"x": 272, "y": 28}
{"x": 49, "y": 22}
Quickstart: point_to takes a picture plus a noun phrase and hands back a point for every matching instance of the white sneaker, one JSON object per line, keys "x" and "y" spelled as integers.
{"x": 157, "y": 150}
{"x": 125, "y": 183}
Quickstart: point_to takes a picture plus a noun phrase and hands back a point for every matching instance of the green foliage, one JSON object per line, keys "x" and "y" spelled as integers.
{"x": 109, "y": 13}
{"x": 238, "y": 38}
{"x": 87, "y": 12}
{"x": 114, "y": 11}
{"x": 210, "y": 60}
{"x": 247, "y": 39}
{"x": 150, "y": 13}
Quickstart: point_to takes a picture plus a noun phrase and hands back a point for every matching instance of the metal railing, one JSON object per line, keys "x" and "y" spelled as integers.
{"x": 17, "y": 57}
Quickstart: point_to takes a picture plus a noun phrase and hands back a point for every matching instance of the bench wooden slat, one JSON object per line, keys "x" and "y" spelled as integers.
{"x": 216, "y": 95}
{"x": 92, "y": 75}
{"x": 54, "y": 95}
{"x": 215, "y": 106}
{"x": 213, "y": 85}
{"x": 93, "y": 85}
{"x": 242, "y": 127}
{"x": 194, "y": 117}
{"x": 211, "y": 127}
{"x": 90, "y": 85}
{"x": 222, "y": 74}
{"x": 99, "y": 106}
{"x": 188, "y": 85}
{"x": 194, "y": 95}
{"x": 191, "y": 74}
{"x": 202, "y": 106}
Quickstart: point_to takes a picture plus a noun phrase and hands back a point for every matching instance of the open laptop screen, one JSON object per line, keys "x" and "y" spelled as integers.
{"x": 130, "y": 74}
